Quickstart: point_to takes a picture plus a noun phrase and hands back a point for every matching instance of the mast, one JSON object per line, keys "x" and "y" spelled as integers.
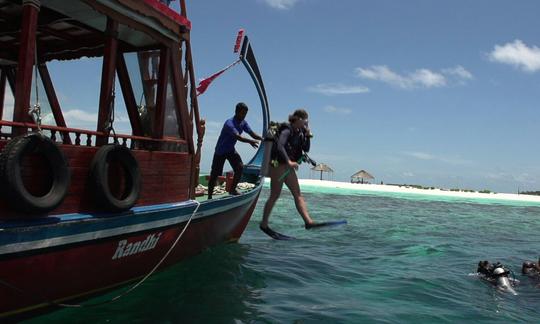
{"x": 194, "y": 111}
{"x": 27, "y": 55}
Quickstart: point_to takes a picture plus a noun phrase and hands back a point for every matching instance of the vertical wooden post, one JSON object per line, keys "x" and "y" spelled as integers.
{"x": 27, "y": 54}
{"x": 161, "y": 98}
{"x": 181, "y": 99}
{"x": 3, "y": 78}
{"x": 183, "y": 10}
{"x": 107, "y": 78}
{"x": 53, "y": 100}
{"x": 194, "y": 111}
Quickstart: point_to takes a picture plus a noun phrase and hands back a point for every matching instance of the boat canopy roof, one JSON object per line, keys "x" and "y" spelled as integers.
{"x": 75, "y": 28}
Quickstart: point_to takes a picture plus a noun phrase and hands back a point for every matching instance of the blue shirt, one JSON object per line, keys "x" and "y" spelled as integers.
{"x": 227, "y": 138}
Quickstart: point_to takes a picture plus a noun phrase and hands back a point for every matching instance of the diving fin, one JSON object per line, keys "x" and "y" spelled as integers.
{"x": 324, "y": 224}
{"x": 275, "y": 235}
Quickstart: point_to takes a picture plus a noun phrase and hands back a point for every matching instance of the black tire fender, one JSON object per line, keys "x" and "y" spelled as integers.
{"x": 11, "y": 158}
{"x": 99, "y": 173}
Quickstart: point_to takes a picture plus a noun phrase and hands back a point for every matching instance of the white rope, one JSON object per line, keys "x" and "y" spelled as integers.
{"x": 2, "y": 282}
{"x": 149, "y": 273}
{"x": 35, "y": 111}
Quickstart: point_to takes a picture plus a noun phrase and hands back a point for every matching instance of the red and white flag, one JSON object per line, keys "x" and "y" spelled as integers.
{"x": 205, "y": 83}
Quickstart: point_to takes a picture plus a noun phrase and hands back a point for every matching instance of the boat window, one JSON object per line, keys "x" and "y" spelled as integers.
{"x": 39, "y": 97}
{"x": 77, "y": 86}
{"x": 171, "y": 126}
{"x": 143, "y": 68}
{"x": 7, "y": 111}
{"x": 9, "y": 102}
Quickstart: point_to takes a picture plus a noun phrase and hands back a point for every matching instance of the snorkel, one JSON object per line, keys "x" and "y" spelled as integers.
{"x": 303, "y": 158}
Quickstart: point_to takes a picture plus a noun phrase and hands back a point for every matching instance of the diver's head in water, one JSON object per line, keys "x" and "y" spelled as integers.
{"x": 528, "y": 267}
{"x": 483, "y": 267}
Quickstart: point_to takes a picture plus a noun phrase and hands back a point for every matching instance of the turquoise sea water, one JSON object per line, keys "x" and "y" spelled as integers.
{"x": 399, "y": 259}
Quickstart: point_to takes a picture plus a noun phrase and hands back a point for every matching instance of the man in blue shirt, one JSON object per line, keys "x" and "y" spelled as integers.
{"x": 230, "y": 133}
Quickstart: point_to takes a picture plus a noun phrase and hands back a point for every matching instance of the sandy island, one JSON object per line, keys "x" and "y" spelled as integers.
{"x": 410, "y": 190}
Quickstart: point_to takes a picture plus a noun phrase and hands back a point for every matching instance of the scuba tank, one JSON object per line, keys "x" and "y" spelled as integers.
{"x": 497, "y": 274}
{"x": 502, "y": 281}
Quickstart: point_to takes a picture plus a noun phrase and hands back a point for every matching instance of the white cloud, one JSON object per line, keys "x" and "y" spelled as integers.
{"x": 428, "y": 78}
{"x": 337, "y": 110}
{"x": 459, "y": 72}
{"x": 408, "y": 174}
{"x": 331, "y": 89}
{"x": 517, "y": 54}
{"x": 281, "y": 4}
{"x": 78, "y": 116}
{"x": 420, "y": 78}
{"x": 420, "y": 155}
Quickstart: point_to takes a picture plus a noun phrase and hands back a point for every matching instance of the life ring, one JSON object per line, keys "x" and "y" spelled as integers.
{"x": 106, "y": 197}
{"x": 11, "y": 171}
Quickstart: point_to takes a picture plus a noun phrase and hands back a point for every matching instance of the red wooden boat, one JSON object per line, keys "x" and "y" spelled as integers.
{"x": 83, "y": 211}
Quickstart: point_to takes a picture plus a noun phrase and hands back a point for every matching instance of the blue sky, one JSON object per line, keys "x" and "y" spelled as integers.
{"x": 424, "y": 92}
{"x": 437, "y": 93}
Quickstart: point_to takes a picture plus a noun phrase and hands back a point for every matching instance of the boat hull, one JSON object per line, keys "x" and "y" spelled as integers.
{"x": 79, "y": 255}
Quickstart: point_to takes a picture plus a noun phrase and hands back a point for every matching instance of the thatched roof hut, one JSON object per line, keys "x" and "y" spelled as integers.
{"x": 321, "y": 167}
{"x": 359, "y": 176}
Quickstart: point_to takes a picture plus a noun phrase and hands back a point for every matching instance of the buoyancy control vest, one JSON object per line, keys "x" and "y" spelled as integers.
{"x": 297, "y": 143}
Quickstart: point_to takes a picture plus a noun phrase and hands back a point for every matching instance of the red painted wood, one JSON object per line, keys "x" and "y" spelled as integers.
{"x": 180, "y": 96}
{"x": 161, "y": 97}
{"x": 165, "y": 179}
{"x": 107, "y": 79}
{"x": 26, "y": 62}
{"x": 60, "y": 271}
{"x": 167, "y": 140}
{"x": 3, "y": 78}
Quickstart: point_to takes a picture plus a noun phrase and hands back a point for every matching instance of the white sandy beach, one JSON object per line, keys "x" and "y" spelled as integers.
{"x": 410, "y": 190}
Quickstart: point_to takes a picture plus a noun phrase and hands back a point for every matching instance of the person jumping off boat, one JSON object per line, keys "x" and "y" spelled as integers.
{"x": 230, "y": 133}
{"x": 293, "y": 142}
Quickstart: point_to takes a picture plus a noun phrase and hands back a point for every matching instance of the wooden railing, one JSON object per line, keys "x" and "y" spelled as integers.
{"x": 82, "y": 137}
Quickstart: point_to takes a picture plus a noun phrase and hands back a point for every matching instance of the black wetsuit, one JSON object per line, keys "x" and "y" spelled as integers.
{"x": 291, "y": 144}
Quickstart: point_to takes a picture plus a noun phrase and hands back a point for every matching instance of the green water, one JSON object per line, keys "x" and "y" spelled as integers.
{"x": 399, "y": 259}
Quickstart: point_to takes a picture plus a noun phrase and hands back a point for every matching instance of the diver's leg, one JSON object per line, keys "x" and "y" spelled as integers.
{"x": 275, "y": 191}
{"x": 292, "y": 183}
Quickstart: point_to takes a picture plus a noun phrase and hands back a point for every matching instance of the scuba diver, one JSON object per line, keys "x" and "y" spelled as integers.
{"x": 498, "y": 275}
{"x": 294, "y": 140}
{"x": 531, "y": 268}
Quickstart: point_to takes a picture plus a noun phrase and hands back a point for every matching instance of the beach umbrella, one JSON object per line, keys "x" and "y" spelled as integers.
{"x": 321, "y": 167}
{"x": 362, "y": 174}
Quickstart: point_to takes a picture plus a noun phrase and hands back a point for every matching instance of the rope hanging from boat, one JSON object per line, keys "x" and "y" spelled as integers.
{"x": 130, "y": 289}
{"x": 110, "y": 122}
{"x": 35, "y": 111}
